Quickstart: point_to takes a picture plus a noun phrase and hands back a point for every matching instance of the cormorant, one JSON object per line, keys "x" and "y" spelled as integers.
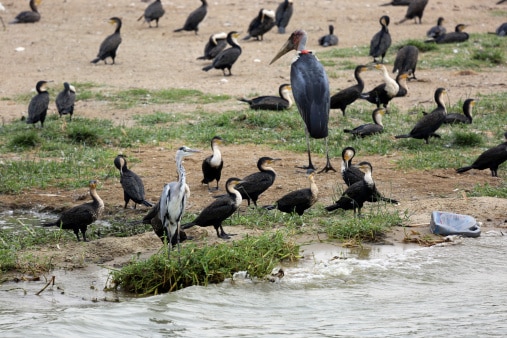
{"x": 28, "y": 16}
{"x": 261, "y": 24}
{"x": 298, "y": 201}
{"x": 381, "y": 41}
{"x": 195, "y": 18}
{"x": 349, "y": 95}
{"x": 329, "y": 39}
{"x": 38, "y": 107}
{"x": 153, "y": 218}
{"x": 79, "y": 217}
{"x": 502, "y": 30}
{"x": 133, "y": 187}
{"x": 466, "y": 117}
{"x": 406, "y": 60}
{"x": 385, "y": 92}
{"x": 397, "y": 3}
{"x": 438, "y": 30}
{"x": 220, "y": 209}
{"x": 226, "y": 58}
{"x": 283, "y": 14}
{"x": 282, "y": 102}
{"x": 457, "y": 36}
{"x": 153, "y": 12}
{"x": 65, "y": 100}
{"x": 357, "y": 193}
{"x": 216, "y": 43}
{"x": 253, "y": 185}
{"x": 491, "y": 158}
{"x": 213, "y": 164}
{"x": 429, "y": 123}
{"x": 501, "y": 1}
{"x": 110, "y": 45}
{"x": 370, "y": 128}
{"x": 415, "y": 10}
{"x": 310, "y": 86}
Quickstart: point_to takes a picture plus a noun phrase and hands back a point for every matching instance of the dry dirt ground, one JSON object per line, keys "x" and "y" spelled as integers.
{"x": 61, "y": 45}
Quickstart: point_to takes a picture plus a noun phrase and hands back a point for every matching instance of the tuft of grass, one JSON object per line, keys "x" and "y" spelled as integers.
{"x": 467, "y": 139}
{"x": 487, "y": 189}
{"x": 495, "y": 56}
{"x": 24, "y": 140}
{"x": 84, "y": 134}
{"x": 422, "y": 46}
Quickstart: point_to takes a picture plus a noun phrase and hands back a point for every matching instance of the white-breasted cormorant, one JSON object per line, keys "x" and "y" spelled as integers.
{"x": 466, "y": 117}
{"x": 133, "y": 187}
{"x": 261, "y": 24}
{"x": 195, "y": 18}
{"x": 267, "y": 102}
{"x": 213, "y": 164}
{"x": 370, "y": 128}
{"x": 350, "y": 94}
{"x": 28, "y": 16}
{"x": 490, "y": 159}
{"x": 216, "y": 43}
{"x": 153, "y": 12}
{"x": 329, "y": 39}
{"x": 406, "y": 60}
{"x": 435, "y": 31}
{"x": 415, "y": 10}
{"x": 226, "y": 58}
{"x": 283, "y": 14}
{"x": 253, "y": 185}
{"x": 110, "y": 45}
{"x": 38, "y": 107}
{"x": 65, "y": 100}
{"x": 381, "y": 41}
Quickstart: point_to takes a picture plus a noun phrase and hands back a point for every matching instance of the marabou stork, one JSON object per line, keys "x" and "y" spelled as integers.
{"x": 174, "y": 197}
{"x": 310, "y": 87}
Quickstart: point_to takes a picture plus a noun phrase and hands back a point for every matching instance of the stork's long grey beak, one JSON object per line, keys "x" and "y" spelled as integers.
{"x": 288, "y": 46}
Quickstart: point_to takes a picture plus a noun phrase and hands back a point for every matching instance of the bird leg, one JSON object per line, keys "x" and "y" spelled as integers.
{"x": 328, "y": 166}
{"x": 310, "y": 164}
{"x": 222, "y": 233}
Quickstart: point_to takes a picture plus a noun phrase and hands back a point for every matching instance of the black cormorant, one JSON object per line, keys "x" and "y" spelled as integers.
{"x": 350, "y": 94}
{"x": 65, "y": 100}
{"x": 220, "y": 209}
{"x": 283, "y": 14}
{"x": 195, "y": 18}
{"x": 133, "y": 187}
{"x": 357, "y": 193}
{"x": 29, "y": 16}
{"x": 381, "y": 41}
{"x": 501, "y": 1}
{"x": 415, "y": 10}
{"x": 213, "y": 164}
{"x": 329, "y": 39}
{"x": 429, "y": 123}
{"x": 406, "y": 60}
{"x": 490, "y": 159}
{"x": 261, "y": 24}
{"x": 253, "y": 185}
{"x": 282, "y": 102}
{"x": 310, "y": 87}
{"x": 110, "y": 45}
{"x": 370, "y": 128}
{"x": 79, "y": 217}
{"x": 502, "y": 30}
{"x": 38, "y": 107}
{"x": 153, "y": 12}
{"x": 457, "y": 36}
{"x": 226, "y": 58}
{"x": 466, "y": 117}
{"x": 216, "y": 43}
{"x": 298, "y": 201}
{"x": 435, "y": 31}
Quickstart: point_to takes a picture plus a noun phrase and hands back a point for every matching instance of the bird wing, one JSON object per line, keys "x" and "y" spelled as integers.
{"x": 133, "y": 186}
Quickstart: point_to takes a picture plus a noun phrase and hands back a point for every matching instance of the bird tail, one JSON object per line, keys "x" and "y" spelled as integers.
{"x": 146, "y": 203}
{"x": 402, "y": 136}
{"x": 347, "y": 130}
{"x": 387, "y": 200}
{"x": 97, "y": 59}
{"x": 204, "y": 57}
{"x": 140, "y": 17}
{"x": 187, "y": 226}
{"x": 50, "y": 224}
{"x": 178, "y": 30}
{"x": 333, "y": 207}
{"x": 247, "y": 37}
{"x": 269, "y": 207}
{"x": 244, "y": 100}
{"x": 207, "y": 68}
{"x": 462, "y": 170}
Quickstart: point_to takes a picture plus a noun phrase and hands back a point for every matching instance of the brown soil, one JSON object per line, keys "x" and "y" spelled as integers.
{"x": 61, "y": 45}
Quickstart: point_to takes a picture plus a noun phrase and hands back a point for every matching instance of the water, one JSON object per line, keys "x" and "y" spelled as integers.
{"x": 454, "y": 290}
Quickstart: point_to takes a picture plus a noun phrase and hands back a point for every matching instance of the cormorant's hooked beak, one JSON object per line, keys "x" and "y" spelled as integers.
{"x": 287, "y": 47}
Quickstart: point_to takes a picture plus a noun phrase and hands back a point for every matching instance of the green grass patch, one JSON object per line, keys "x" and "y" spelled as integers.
{"x": 487, "y": 189}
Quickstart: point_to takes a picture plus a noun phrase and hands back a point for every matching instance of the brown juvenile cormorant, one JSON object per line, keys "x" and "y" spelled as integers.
{"x": 310, "y": 86}
{"x": 370, "y": 128}
{"x": 385, "y": 92}
{"x": 153, "y": 218}
{"x": 406, "y": 60}
{"x": 415, "y": 10}
{"x": 357, "y": 193}
{"x": 283, "y": 14}
{"x": 213, "y": 164}
{"x": 28, "y": 16}
{"x": 349, "y": 95}
{"x": 435, "y": 31}
{"x": 38, "y": 107}
{"x": 457, "y": 36}
{"x": 133, "y": 187}
{"x": 329, "y": 39}
{"x": 216, "y": 43}
{"x": 220, "y": 209}
{"x": 261, "y": 24}
{"x": 282, "y": 102}
{"x": 153, "y": 12}
{"x": 79, "y": 217}
{"x": 490, "y": 159}
{"x": 381, "y": 41}
{"x": 429, "y": 123}
{"x": 253, "y": 185}
{"x": 466, "y": 117}
{"x": 226, "y": 58}
{"x": 298, "y": 201}
{"x": 65, "y": 100}
{"x": 109, "y": 46}
{"x": 195, "y": 18}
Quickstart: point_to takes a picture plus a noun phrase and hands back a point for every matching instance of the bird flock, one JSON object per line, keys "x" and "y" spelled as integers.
{"x": 309, "y": 90}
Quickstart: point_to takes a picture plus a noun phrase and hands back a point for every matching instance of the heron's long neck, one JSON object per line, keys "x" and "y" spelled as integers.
{"x": 182, "y": 180}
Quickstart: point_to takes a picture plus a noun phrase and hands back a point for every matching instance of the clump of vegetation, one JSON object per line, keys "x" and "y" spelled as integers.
{"x": 494, "y": 56}
{"x": 84, "y": 134}
{"x": 209, "y": 264}
{"x": 24, "y": 139}
{"x": 467, "y": 139}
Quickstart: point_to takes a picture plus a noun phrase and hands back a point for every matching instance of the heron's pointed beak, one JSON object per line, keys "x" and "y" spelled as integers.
{"x": 287, "y": 47}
